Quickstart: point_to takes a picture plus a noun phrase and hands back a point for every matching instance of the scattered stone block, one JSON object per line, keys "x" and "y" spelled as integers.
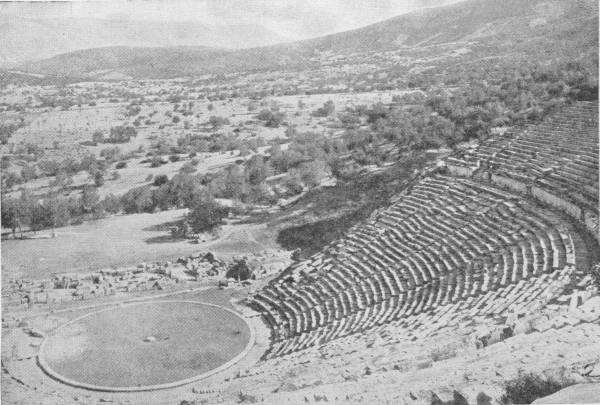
{"x": 576, "y": 300}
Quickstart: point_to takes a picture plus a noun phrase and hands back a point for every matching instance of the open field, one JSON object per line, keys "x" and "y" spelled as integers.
{"x": 146, "y": 344}
{"x": 117, "y": 241}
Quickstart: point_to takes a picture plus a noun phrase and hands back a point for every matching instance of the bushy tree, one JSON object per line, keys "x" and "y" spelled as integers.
{"x": 28, "y": 173}
{"x": 271, "y": 118}
{"x": 13, "y": 214}
{"x": 160, "y": 179}
{"x": 217, "y": 122}
{"x": 99, "y": 178}
{"x": 326, "y": 110}
{"x": 90, "y": 200}
{"x": 111, "y": 204}
{"x": 111, "y": 154}
{"x": 138, "y": 200}
{"x": 121, "y": 134}
{"x": 205, "y": 215}
{"x": 257, "y": 170}
{"x": 98, "y": 136}
{"x": 313, "y": 173}
{"x": 55, "y": 211}
{"x": 349, "y": 120}
{"x": 239, "y": 270}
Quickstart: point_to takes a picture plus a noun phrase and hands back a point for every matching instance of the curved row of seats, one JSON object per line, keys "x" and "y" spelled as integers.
{"x": 559, "y": 155}
{"x": 449, "y": 240}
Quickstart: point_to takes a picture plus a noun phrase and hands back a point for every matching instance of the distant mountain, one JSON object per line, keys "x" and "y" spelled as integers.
{"x": 521, "y": 23}
{"x": 467, "y": 20}
{"x": 25, "y": 39}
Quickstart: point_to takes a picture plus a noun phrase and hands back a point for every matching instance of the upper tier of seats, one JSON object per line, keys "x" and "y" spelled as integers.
{"x": 558, "y": 156}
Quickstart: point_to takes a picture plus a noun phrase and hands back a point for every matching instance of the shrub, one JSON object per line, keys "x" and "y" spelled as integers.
{"x": 187, "y": 168}
{"x": 294, "y": 185}
{"x": 121, "y": 134}
{"x": 138, "y": 200}
{"x": 252, "y": 106}
{"x": 99, "y": 178}
{"x": 121, "y": 165}
{"x": 272, "y": 118}
{"x": 325, "y": 111}
{"x": 160, "y": 180}
{"x": 257, "y": 170}
{"x": 157, "y": 161}
{"x": 111, "y": 204}
{"x": 349, "y": 120}
{"x": 217, "y": 122}
{"x": 526, "y": 388}
{"x": 442, "y": 353}
{"x": 28, "y": 173}
{"x": 313, "y": 173}
{"x": 246, "y": 398}
{"x": 98, "y": 136}
{"x": 239, "y": 270}
{"x": 111, "y": 154}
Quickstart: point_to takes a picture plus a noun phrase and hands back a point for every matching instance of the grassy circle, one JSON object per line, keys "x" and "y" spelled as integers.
{"x": 144, "y": 345}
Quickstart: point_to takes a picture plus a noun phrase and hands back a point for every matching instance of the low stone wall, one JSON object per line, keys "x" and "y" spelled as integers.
{"x": 556, "y": 202}
{"x": 43, "y": 364}
{"x": 457, "y": 170}
{"x": 510, "y": 183}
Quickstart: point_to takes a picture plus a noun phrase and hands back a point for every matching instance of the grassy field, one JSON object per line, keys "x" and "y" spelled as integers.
{"x": 108, "y": 348}
{"x": 119, "y": 241}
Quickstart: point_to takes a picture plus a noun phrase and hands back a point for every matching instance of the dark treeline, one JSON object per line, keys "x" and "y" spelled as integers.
{"x": 54, "y": 210}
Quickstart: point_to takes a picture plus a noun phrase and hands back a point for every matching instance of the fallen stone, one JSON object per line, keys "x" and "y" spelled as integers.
{"x": 571, "y": 320}
{"x": 542, "y": 325}
{"x": 522, "y": 325}
{"x": 591, "y": 305}
{"x": 584, "y": 316}
{"x": 595, "y": 372}
{"x": 286, "y": 387}
{"x": 34, "y": 333}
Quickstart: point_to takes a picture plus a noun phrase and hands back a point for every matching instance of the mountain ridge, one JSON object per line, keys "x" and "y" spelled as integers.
{"x": 27, "y": 39}
{"x": 514, "y": 22}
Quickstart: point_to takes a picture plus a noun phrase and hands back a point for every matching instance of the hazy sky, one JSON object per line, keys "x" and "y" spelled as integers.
{"x": 295, "y": 19}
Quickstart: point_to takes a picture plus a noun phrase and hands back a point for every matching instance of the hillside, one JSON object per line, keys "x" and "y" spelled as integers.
{"x": 516, "y": 25}
{"x": 28, "y": 39}
{"x": 138, "y": 62}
